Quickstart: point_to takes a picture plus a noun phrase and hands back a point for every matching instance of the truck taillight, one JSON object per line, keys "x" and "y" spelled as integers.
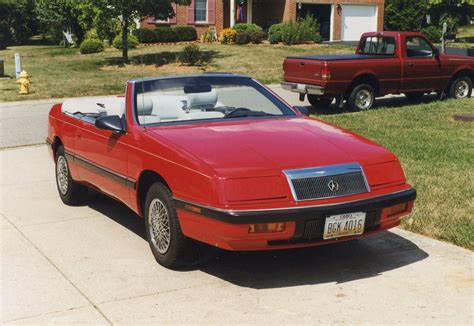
{"x": 325, "y": 73}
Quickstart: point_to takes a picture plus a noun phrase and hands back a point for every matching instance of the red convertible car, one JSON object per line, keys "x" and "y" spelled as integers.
{"x": 220, "y": 159}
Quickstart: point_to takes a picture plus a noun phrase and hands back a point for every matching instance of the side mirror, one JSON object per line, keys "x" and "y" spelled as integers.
{"x": 302, "y": 109}
{"x": 436, "y": 52}
{"x": 110, "y": 122}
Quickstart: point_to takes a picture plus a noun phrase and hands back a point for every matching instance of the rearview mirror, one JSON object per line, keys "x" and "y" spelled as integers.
{"x": 302, "y": 109}
{"x": 110, "y": 122}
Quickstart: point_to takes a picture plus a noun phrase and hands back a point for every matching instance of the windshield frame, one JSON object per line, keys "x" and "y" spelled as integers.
{"x": 287, "y": 110}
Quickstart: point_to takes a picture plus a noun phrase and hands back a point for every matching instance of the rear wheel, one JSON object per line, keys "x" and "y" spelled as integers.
{"x": 415, "y": 96}
{"x": 461, "y": 88}
{"x": 361, "y": 98}
{"x": 171, "y": 248}
{"x": 70, "y": 191}
{"x": 319, "y": 101}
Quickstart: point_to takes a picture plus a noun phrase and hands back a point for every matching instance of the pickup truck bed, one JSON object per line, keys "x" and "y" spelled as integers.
{"x": 340, "y": 57}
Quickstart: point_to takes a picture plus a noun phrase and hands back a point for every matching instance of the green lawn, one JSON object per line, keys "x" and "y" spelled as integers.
{"x": 59, "y": 72}
{"x": 437, "y": 154}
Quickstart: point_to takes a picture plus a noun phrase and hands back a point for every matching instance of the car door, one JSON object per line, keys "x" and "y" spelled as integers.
{"x": 422, "y": 68}
{"x": 103, "y": 160}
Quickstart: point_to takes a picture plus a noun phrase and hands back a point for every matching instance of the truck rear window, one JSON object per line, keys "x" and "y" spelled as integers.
{"x": 378, "y": 45}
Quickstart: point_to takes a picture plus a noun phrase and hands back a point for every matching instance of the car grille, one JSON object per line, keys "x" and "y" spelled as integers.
{"x": 327, "y": 182}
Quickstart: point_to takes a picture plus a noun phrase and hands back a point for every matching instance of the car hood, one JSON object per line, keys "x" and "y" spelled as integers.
{"x": 268, "y": 146}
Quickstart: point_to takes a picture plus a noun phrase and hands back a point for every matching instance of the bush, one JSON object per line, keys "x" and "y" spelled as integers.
{"x": 208, "y": 37}
{"x": 258, "y": 37}
{"x": 242, "y": 38}
{"x": 91, "y": 45}
{"x": 191, "y": 55}
{"x": 247, "y": 28}
{"x": 132, "y": 42}
{"x": 166, "y": 35}
{"x": 303, "y": 30}
{"x": 145, "y": 35}
{"x": 227, "y": 36}
{"x": 274, "y": 33}
{"x": 186, "y": 33}
{"x": 91, "y": 34}
{"x": 433, "y": 33}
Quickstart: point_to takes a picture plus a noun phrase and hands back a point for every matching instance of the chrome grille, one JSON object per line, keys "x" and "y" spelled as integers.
{"x": 326, "y": 182}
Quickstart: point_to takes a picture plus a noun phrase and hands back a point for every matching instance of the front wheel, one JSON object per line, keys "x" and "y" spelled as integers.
{"x": 461, "y": 88}
{"x": 361, "y": 98}
{"x": 171, "y": 248}
{"x": 70, "y": 191}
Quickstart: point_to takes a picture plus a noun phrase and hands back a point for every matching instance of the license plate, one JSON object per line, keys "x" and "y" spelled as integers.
{"x": 301, "y": 87}
{"x": 344, "y": 225}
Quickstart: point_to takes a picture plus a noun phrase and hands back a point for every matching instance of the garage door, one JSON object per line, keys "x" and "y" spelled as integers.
{"x": 358, "y": 19}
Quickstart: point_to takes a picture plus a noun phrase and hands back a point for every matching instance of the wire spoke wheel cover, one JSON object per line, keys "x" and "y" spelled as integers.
{"x": 364, "y": 99}
{"x": 461, "y": 89}
{"x": 62, "y": 175}
{"x": 159, "y": 224}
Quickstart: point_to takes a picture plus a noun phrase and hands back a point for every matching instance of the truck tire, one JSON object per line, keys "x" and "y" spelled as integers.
{"x": 319, "y": 101}
{"x": 361, "y": 98}
{"x": 415, "y": 96}
{"x": 461, "y": 88}
{"x": 71, "y": 192}
{"x": 171, "y": 248}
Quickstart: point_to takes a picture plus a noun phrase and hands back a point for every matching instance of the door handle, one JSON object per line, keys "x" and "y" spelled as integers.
{"x": 411, "y": 65}
{"x": 301, "y": 64}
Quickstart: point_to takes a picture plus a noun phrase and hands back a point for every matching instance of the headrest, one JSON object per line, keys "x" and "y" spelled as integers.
{"x": 197, "y": 101}
{"x": 144, "y": 105}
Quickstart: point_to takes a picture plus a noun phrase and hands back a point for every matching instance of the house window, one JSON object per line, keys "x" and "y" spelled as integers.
{"x": 200, "y": 10}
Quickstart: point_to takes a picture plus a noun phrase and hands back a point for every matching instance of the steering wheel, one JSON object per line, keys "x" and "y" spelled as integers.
{"x": 231, "y": 113}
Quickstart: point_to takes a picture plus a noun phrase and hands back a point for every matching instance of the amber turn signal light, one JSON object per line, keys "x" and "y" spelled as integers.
{"x": 396, "y": 209}
{"x": 266, "y": 228}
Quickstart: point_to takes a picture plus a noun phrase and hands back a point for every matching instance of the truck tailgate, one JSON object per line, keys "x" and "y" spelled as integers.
{"x": 302, "y": 70}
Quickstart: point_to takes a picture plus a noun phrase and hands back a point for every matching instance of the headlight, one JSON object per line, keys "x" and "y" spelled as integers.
{"x": 255, "y": 188}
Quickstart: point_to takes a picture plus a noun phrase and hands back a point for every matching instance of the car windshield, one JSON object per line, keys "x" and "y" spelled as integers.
{"x": 195, "y": 98}
{"x": 378, "y": 45}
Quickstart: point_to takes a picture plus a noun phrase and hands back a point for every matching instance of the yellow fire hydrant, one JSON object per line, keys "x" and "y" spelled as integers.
{"x": 24, "y": 82}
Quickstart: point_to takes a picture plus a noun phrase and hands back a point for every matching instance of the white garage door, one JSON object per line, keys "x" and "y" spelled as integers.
{"x": 358, "y": 19}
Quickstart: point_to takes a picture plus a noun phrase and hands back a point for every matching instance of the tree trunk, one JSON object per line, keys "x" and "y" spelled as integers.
{"x": 124, "y": 40}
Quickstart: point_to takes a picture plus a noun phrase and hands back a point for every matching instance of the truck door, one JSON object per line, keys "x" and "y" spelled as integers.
{"x": 422, "y": 69}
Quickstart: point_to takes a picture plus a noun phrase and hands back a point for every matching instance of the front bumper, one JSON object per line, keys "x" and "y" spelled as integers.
{"x": 303, "y": 88}
{"x": 228, "y": 229}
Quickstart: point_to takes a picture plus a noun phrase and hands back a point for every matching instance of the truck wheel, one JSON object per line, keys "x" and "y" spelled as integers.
{"x": 171, "y": 248}
{"x": 319, "y": 101}
{"x": 461, "y": 88}
{"x": 361, "y": 98}
{"x": 70, "y": 191}
{"x": 415, "y": 96}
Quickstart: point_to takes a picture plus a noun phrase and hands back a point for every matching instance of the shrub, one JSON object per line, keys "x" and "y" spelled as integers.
{"x": 247, "y": 28}
{"x": 91, "y": 34}
{"x": 274, "y": 33}
{"x": 303, "y": 30}
{"x": 208, "y": 37}
{"x": 145, "y": 35}
{"x": 186, "y": 33}
{"x": 242, "y": 38}
{"x": 433, "y": 33}
{"x": 132, "y": 42}
{"x": 91, "y": 45}
{"x": 166, "y": 34}
{"x": 227, "y": 36}
{"x": 258, "y": 37}
{"x": 191, "y": 55}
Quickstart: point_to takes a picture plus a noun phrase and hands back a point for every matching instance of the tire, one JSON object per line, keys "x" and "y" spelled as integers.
{"x": 361, "y": 98}
{"x": 71, "y": 192}
{"x": 460, "y": 88}
{"x": 319, "y": 101}
{"x": 171, "y": 248}
{"x": 415, "y": 96}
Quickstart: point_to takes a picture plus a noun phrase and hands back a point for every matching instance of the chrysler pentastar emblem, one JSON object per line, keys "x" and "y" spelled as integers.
{"x": 333, "y": 186}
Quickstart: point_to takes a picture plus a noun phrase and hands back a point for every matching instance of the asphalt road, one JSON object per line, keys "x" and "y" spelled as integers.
{"x": 91, "y": 265}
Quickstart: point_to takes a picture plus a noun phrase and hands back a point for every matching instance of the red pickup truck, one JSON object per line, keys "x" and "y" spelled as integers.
{"x": 384, "y": 63}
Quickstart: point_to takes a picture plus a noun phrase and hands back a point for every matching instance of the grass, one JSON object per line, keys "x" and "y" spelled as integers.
{"x": 437, "y": 154}
{"x": 59, "y": 72}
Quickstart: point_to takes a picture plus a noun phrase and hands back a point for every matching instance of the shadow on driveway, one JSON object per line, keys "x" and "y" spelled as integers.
{"x": 343, "y": 262}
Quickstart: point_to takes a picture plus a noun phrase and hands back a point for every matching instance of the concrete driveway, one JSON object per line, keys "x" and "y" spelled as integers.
{"x": 91, "y": 264}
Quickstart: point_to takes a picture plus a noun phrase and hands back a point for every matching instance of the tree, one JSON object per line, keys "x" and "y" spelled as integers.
{"x": 128, "y": 11}
{"x": 17, "y": 21}
{"x": 452, "y": 12}
{"x": 405, "y": 15}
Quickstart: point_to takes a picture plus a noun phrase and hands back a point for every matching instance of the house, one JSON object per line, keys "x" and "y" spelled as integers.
{"x": 339, "y": 20}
